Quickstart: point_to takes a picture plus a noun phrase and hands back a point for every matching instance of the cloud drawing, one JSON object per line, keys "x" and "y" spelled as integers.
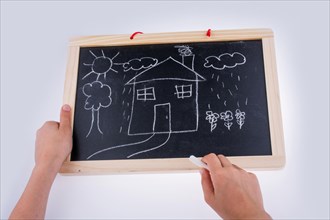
{"x": 140, "y": 63}
{"x": 225, "y": 60}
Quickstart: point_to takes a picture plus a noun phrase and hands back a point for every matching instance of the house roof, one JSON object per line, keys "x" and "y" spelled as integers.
{"x": 168, "y": 69}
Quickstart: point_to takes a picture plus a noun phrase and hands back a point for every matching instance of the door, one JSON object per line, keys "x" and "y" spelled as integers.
{"x": 162, "y": 118}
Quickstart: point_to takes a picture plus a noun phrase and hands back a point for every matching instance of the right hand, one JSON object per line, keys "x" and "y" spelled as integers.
{"x": 231, "y": 191}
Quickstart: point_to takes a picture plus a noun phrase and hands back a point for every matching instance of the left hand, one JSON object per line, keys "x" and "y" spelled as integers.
{"x": 54, "y": 142}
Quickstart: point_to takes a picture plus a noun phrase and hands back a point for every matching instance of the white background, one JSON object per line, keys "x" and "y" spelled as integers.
{"x": 34, "y": 39}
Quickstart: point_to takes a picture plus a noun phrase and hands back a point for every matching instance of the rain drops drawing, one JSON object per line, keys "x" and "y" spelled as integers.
{"x": 101, "y": 65}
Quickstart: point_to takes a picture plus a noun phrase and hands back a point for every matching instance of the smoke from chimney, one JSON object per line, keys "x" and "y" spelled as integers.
{"x": 187, "y": 55}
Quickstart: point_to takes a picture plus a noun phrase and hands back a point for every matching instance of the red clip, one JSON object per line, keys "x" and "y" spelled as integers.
{"x": 135, "y": 33}
{"x": 208, "y": 33}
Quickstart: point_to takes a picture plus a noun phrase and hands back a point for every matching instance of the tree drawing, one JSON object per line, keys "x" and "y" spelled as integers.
{"x": 98, "y": 96}
{"x": 240, "y": 117}
{"x": 212, "y": 117}
{"x": 227, "y": 116}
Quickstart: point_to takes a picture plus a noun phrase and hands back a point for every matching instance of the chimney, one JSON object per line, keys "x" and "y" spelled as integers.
{"x": 187, "y": 55}
{"x": 188, "y": 61}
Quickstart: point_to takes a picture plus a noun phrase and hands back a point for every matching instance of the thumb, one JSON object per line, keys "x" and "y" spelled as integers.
{"x": 65, "y": 118}
{"x": 207, "y": 186}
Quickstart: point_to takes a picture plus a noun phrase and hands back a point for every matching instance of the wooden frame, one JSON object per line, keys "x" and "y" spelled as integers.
{"x": 276, "y": 160}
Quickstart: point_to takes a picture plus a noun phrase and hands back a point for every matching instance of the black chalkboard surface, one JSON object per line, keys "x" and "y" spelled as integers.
{"x": 171, "y": 101}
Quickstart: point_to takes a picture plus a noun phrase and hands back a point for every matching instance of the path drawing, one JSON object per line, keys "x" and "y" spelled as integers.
{"x": 158, "y": 140}
{"x": 119, "y": 146}
{"x": 94, "y": 102}
{"x": 157, "y": 90}
{"x": 101, "y": 65}
{"x": 151, "y": 149}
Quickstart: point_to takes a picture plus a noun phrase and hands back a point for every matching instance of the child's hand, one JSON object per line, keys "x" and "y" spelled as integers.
{"x": 231, "y": 191}
{"x": 54, "y": 142}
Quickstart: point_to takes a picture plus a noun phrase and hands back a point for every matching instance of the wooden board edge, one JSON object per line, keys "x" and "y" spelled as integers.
{"x": 273, "y": 99}
{"x": 171, "y": 37}
{"x": 161, "y": 165}
{"x": 276, "y": 161}
{"x": 70, "y": 85}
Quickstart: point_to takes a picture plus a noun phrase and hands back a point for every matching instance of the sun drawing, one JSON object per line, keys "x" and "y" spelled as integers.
{"x": 101, "y": 65}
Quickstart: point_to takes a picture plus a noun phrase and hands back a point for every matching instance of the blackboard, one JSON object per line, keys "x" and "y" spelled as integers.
{"x": 171, "y": 100}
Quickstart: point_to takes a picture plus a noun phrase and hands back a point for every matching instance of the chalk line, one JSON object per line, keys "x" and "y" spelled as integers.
{"x": 93, "y": 54}
{"x": 114, "y": 56}
{"x": 88, "y": 74}
{"x": 230, "y": 92}
{"x": 98, "y": 121}
{"x": 90, "y": 129}
{"x": 208, "y": 64}
{"x": 119, "y": 146}
{"x": 151, "y": 149}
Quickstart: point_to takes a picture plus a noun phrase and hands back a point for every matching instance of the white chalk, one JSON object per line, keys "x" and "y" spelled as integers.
{"x": 198, "y": 162}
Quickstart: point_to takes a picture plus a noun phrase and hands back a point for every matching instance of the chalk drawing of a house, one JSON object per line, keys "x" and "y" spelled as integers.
{"x": 165, "y": 99}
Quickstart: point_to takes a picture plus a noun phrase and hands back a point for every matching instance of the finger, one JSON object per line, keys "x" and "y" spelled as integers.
{"x": 50, "y": 124}
{"x": 224, "y": 161}
{"x": 213, "y": 162}
{"x": 65, "y": 118}
{"x": 207, "y": 185}
{"x": 237, "y": 167}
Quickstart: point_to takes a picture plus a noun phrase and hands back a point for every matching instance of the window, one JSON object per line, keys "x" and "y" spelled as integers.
{"x": 183, "y": 91}
{"x": 146, "y": 94}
